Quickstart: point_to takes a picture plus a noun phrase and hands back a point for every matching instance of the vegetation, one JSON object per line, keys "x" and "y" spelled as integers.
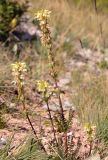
{"x": 31, "y": 90}
{"x": 10, "y": 13}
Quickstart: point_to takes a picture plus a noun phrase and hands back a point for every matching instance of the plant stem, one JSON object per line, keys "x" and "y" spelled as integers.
{"x": 31, "y": 125}
{"x": 60, "y": 104}
{"x": 54, "y": 76}
{"x": 90, "y": 148}
{"x": 52, "y": 123}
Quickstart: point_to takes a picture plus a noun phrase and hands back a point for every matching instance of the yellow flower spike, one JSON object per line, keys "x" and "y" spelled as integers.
{"x": 90, "y": 129}
{"x": 42, "y": 15}
{"x": 18, "y": 71}
{"x": 42, "y": 86}
{"x": 46, "y": 39}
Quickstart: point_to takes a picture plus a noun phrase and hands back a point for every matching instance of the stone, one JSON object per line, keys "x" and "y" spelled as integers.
{"x": 94, "y": 157}
{"x": 63, "y": 82}
{"x": 3, "y": 142}
{"x": 26, "y": 30}
{"x": 54, "y": 106}
{"x": 106, "y": 158}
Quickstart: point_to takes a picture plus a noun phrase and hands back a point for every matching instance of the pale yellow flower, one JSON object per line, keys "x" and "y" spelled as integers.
{"x": 42, "y": 86}
{"x": 18, "y": 71}
{"x": 42, "y": 15}
{"x": 90, "y": 129}
{"x": 46, "y": 40}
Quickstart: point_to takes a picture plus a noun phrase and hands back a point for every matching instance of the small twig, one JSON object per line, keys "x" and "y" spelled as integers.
{"x": 81, "y": 43}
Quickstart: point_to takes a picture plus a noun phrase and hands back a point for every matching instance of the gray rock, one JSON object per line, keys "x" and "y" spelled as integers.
{"x": 86, "y": 59}
{"x": 63, "y": 82}
{"x": 26, "y": 30}
{"x": 55, "y": 106}
{"x": 2, "y": 142}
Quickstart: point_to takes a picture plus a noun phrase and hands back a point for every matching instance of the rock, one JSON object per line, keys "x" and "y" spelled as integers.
{"x": 106, "y": 158}
{"x": 86, "y": 60}
{"x": 55, "y": 106}
{"x": 94, "y": 157}
{"x": 2, "y": 142}
{"x": 63, "y": 82}
{"x": 106, "y": 59}
{"x": 12, "y": 105}
{"x": 85, "y": 54}
{"x": 26, "y": 30}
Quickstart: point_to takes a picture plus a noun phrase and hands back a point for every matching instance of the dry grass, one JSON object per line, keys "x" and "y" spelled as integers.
{"x": 91, "y": 101}
{"x": 71, "y": 19}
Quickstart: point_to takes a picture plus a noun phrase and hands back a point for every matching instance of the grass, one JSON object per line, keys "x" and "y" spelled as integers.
{"x": 28, "y": 150}
{"x": 91, "y": 101}
{"x": 92, "y": 97}
{"x": 68, "y": 18}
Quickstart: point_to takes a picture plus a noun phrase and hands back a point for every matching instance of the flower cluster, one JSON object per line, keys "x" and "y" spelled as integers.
{"x": 45, "y": 89}
{"x": 90, "y": 130}
{"x": 18, "y": 71}
{"x": 42, "y": 86}
{"x": 42, "y": 16}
